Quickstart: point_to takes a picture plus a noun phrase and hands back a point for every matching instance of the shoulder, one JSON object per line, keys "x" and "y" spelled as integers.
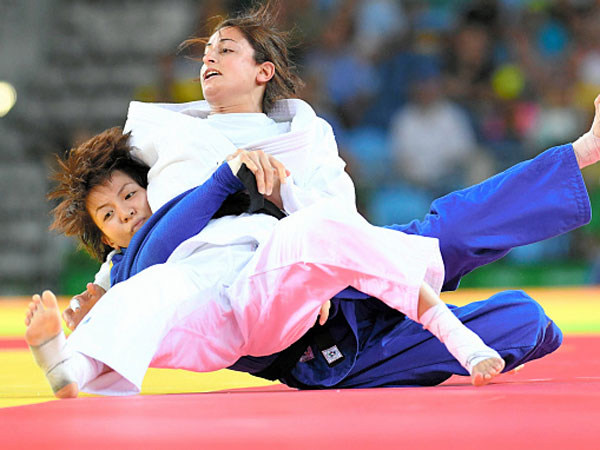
{"x": 157, "y": 113}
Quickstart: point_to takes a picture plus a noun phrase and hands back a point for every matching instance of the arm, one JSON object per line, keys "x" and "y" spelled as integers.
{"x": 102, "y": 277}
{"x": 203, "y": 201}
{"x": 178, "y": 220}
{"x": 270, "y": 173}
{"x": 181, "y": 218}
{"x": 193, "y": 210}
{"x": 86, "y": 300}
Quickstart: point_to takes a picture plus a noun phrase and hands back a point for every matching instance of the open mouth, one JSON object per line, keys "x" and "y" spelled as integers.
{"x": 210, "y": 74}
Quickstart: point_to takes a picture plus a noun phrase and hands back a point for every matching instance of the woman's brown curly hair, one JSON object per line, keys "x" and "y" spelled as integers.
{"x": 78, "y": 172}
{"x": 258, "y": 25}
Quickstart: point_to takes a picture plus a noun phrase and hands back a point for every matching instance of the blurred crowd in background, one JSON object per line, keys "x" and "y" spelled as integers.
{"x": 425, "y": 96}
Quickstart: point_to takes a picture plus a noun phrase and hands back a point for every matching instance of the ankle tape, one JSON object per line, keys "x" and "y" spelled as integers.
{"x": 53, "y": 359}
{"x": 462, "y": 343}
{"x": 587, "y": 149}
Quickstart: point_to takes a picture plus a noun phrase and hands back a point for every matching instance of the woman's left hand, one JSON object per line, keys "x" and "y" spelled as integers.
{"x": 269, "y": 171}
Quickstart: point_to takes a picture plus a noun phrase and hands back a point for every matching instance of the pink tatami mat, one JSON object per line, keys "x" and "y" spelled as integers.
{"x": 552, "y": 404}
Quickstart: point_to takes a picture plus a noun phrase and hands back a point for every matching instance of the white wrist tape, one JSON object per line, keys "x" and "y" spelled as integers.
{"x": 53, "y": 359}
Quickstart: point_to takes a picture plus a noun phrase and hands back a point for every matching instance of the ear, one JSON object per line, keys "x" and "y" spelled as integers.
{"x": 266, "y": 71}
{"x": 107, "y": 241}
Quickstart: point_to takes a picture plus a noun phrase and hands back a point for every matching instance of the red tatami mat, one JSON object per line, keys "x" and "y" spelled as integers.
{"x": 552, "y": 404}
{"x": 12, "y": 343}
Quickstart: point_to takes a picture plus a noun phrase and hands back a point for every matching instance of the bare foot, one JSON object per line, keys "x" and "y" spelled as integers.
{"x": 71, "y": 390}
{"x": 516, "y": 370}
{"x": 42, "y": 319}
{"x": 486, "y": 370}
{"x": 43, "y": 324}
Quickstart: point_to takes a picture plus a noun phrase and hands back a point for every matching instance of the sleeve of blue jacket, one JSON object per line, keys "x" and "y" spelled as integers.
{"x": 178, "y": 220}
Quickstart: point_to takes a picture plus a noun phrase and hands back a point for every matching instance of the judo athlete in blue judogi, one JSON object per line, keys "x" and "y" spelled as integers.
{"x": 367, "y": 343}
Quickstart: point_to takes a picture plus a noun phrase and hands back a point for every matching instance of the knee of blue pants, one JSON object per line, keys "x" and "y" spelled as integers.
{"x": 548, "y": 334}
{"x": 515, "y": 325}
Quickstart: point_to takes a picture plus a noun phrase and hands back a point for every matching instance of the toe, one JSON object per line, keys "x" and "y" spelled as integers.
{"x": 49, "y": 300}
{"x": 32, "y": 308}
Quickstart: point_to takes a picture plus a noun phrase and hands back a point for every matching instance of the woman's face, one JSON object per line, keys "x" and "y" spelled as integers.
{"x": 231, "y": 79}
{"x": 119, "y": 207}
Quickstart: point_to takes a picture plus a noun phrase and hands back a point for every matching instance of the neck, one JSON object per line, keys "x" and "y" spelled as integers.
{"x": 251, "y": 103}
{"x": 233, "y": 109}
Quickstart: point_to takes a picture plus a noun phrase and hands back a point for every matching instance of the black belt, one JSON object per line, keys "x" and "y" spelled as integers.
{"x": 258, "y": 203}
{"x": 320, "y": 335}
{"x": 248, "y": 200}
{"x": 288, "y": 358}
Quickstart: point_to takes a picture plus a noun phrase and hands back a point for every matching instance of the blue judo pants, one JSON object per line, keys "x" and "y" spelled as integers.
{"x": 532, "y": 201}
{"x": 402, "y": 353}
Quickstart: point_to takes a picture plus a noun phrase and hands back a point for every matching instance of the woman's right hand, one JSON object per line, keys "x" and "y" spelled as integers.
{"x": 269, "y": 172}
{"x": 86, "y": 300}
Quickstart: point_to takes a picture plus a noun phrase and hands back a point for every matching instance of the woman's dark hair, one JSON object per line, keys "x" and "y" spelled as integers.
{"x": 82, "y": 168}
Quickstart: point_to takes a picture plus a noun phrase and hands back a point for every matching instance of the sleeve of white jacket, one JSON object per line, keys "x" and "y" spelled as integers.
{"x": 102, "y": 277}
{"x": 327, "y": 178}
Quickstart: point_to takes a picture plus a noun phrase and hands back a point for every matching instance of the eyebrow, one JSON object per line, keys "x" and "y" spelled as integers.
{"x": 208, "y": 44}
{"x": 118, "y": 193}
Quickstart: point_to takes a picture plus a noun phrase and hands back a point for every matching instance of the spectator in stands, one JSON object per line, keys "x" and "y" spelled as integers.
{"x": 433, "y": 142}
